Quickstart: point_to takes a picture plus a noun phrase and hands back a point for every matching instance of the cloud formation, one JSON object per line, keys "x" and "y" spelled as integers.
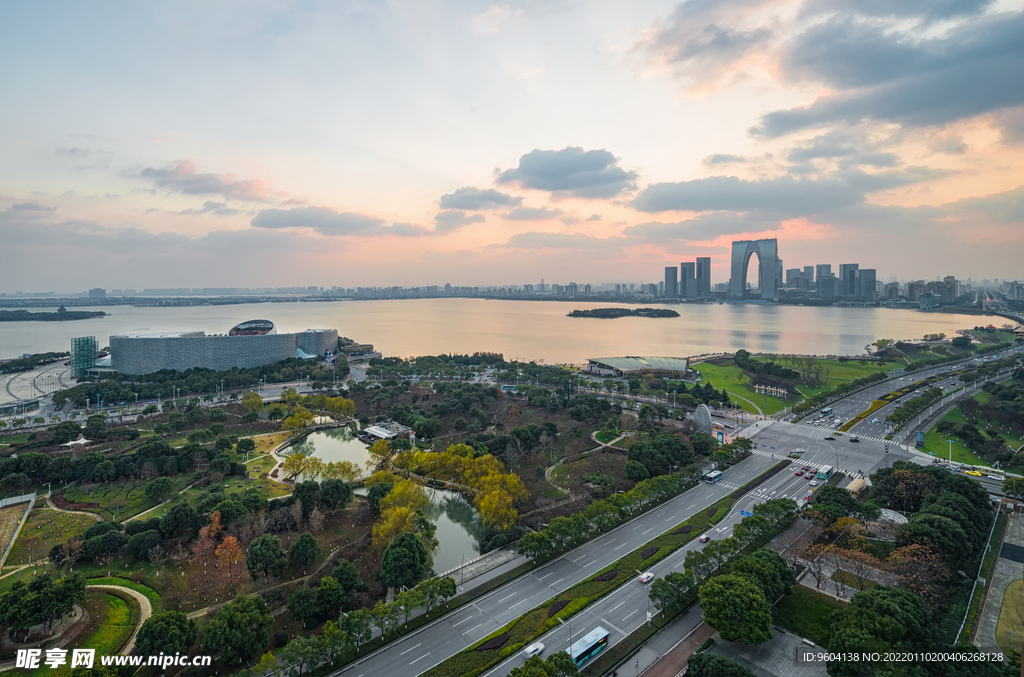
{"x": 323, "y": 220}
{"x": 182, "y": 177}
{"x": 534, "y": 214}
{"x": 454, "y": 219}
{"x": 571, "y": 171}
{"x": 876, "y": 71}
{"x": 534, "y": 240}
{"x": 215, "y": 208}
{"x": 474, "y": 199}
{"x": 409, "y": 229}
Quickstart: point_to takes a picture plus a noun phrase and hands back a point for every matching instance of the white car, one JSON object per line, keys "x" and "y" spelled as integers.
{"x": 534, "y": 649}
{"x": 814, "y": 483}
{"x": 646, "y": 577}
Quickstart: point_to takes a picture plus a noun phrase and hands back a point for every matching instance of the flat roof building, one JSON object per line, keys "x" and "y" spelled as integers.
{"x": 626, "y": 366}
{"x": 259, "y": 345}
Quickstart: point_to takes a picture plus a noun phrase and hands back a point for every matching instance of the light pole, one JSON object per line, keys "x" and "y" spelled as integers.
{"x": 950, "y": 451}
{"x": 570, "y": 633}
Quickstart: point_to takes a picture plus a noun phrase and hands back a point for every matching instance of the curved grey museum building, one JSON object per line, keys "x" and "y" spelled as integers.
{"x": 137, "y": 354}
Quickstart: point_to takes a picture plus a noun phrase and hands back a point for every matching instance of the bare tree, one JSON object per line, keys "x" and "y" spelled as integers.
{"x": 811, "y": 557}
{"x": 861, "y": 565}
{"x": 155, "y": 553}
{"x": 316, "y": 521}
{"x": 297, "y": 513}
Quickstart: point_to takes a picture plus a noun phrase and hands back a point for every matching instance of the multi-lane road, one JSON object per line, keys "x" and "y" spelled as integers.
{"x": 624, "y": 609}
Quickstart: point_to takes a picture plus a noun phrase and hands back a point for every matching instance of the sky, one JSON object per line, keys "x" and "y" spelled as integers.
{"x": 198, "y": 144}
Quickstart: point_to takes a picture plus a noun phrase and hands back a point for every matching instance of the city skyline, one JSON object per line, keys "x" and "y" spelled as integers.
{"x": 480, "y": 144}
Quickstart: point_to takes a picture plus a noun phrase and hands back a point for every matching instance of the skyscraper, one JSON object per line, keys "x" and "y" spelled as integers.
{"x": 809, "y": 274}
{"x": 822, "y": 269}
{"x": 671, "y": 286}
{"x": 703, "y": 276}
{"x": 687, "y": 280}
{"x": 867, "y": 284}
{"x": 848, "y": 279}
{"x": 768, "y": 270}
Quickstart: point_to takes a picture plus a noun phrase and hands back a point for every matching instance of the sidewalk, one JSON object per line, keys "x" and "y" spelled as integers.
{"x": 665, "y": 654}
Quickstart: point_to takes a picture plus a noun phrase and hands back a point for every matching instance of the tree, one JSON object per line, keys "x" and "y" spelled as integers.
{"x": 179, "y": 521}
{"x": 635, "y": 471}
{"x": 536, "y": 545}
{"x": 303, "y": 603}
{"x": 334, "y": 494}
{"x": 558, "y": 664}
{"x": 672, "y": 591}
{"x": 231, "y": 512}
{"x": 881, "y": 619}
{"x": 712, "y": 665}
{"x": 357, "y": 625}
{"x": 104, "y": 472}
{"x": 437, "y": 590}
{"x": 1014, "y": 487}
{"x": 267, "y": 556}
{"x": 737, "y": 609}
{"x": 159, "y": 489}
{"x": 245, "y": 445}
{"x": 404, "y": 561}
{"x": 304, "y": 551}
{"x": 379, "y": 453}
{"x": 297, "y": 422}
{"x": 408, "y": 601}
{"x": 375, "y": 494}
{"x": 347, "y": 575}
{"x": 167, "y": 632}
{"x": 239, "y": 631}
{"x": 229, "y": 553}
{"x": 301, "y": 654}
{"x": 252, "y": 401}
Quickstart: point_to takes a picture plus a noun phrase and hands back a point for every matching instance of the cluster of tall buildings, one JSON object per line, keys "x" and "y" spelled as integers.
{"x": 849, "y": 282}
{"x": 690, "y": 280}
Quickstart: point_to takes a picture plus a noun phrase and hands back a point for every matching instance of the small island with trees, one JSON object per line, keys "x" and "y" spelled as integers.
{"x": 61, "y": 315}
{"x": 609, "y": 313}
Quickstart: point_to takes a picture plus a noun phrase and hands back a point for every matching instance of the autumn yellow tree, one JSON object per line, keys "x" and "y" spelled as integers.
{"x": 380, "y": 452}
{"x": 315, "y": 467}
{"x": 341, "y": 470}
{"x": 252, "y": 401}
{"x": 298, "y": 421}
{"x": 294, "y": 464}
{"x": 405, "y": 494}
{"x": 391, "y": 523}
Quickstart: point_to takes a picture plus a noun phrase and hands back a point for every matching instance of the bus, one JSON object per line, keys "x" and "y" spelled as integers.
{"x": 582, "y": 650}
{"x": 824, "y": 473}
{"x": 713, "y": 476}
{"x": 826, "y": 411}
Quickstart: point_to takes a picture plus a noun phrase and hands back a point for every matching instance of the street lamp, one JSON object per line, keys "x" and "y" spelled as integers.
{"x": 570, "y": 633}
{"x": 950, "y": 450}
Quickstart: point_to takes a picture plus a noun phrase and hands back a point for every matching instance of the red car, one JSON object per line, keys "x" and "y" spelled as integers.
{"x": 704, "y": 539}
{"x": 798, "y": 473}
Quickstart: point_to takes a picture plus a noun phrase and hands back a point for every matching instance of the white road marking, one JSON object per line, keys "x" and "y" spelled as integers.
{"x": 473, "y": 628}
{"x": 616, "y": 606}
{"x": 578, "y": 558}
{"x": 517, "y": 604}
{"x": 589, "y": 563}
{"x": 557, "y": 582}
{"x": 622, "y": 546}
{"x": 509, "y": 597}
{"x": 462, "y": 621}
{"x": 648, "y": 531}
{"x": 411, "y": 649}
{"x": 541, "y": 578}
{"x": 420, "y": 658}
{"x": 630, "y": 614}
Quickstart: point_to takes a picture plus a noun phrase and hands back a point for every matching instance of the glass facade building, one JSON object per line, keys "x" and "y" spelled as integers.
{"x": 83, "y": 355}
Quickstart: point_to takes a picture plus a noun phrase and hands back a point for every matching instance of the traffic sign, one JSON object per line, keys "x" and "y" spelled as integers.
{"x": 746, "y": 514}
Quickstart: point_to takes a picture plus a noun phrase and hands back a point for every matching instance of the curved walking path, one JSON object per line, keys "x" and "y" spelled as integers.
{"x": 146, "y": 610}
{"x": 71, "y": 512}
{"x": 145, "y": 512}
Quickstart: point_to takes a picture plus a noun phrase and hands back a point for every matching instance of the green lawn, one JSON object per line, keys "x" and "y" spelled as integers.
{"x": 44, "y": 529}
{"x": 728, "y": 378}
{"x": 937, "y": 443}
{"x": 807, "y": 613}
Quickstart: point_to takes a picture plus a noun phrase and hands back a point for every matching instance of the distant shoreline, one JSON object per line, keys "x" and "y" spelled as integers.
{"x": 58, "y": 316}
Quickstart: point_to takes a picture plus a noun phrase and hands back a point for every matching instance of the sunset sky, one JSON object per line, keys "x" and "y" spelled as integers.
{"x": 189, "y": 144}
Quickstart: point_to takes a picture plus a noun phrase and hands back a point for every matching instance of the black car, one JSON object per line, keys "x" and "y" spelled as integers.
{"x": 855, "y": 439}
{"x": 830, "y": 438}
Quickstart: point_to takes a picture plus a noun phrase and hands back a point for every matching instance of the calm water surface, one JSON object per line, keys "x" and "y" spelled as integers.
{"x": 525, "y": 330}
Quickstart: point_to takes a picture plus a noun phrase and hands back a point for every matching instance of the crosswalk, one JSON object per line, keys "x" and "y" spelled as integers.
{"x": 825, "y": 432}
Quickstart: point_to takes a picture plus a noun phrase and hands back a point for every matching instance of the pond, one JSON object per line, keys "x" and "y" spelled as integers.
{"x": 458, "y": 523}
{"x": 334, "y": 444}
{"x": 458, "y": 527}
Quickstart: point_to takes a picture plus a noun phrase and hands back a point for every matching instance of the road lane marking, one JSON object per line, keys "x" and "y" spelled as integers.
{"x": 411, "y": 649}
{"x": 616, "y": 606}
{"x": 648, "y": 531}
{"x": 630, "y": 614}
{"x": 622, "y": 546}
{"x": 420, "y": 658}
{"x": 473, "y": 628}
{"x": 509, "y": 597}
{"x": 541, "y": 578}
{"x": 611, "y": 541}
{"x": 578, "y": 558}
{"x": 462, "y": 621}
{"x": 517, "y": 604}
{"x": 557, "y": 582}
{"x": 589, "y": 563}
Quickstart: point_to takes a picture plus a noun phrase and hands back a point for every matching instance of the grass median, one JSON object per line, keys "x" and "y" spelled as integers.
{"x": 508, "y": 639}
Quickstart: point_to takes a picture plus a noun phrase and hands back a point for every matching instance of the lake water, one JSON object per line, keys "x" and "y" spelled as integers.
{"x": 458, "y": 523}
{"x": 525, "y": 330}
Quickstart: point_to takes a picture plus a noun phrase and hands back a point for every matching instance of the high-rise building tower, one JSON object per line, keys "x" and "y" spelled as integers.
{"x": 809, "y": 274}
{"x": 687, "y": 280}
{"x": 671, "y": 284}
{"x": 703, "y": 275}
{"x": 848, "y": 279}
{"x": 768, "y": 270}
